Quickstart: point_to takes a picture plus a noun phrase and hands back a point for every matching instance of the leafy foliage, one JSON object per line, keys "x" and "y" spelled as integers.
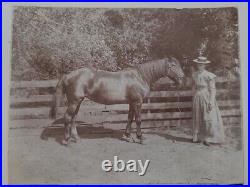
{"x": 50, "y": 41}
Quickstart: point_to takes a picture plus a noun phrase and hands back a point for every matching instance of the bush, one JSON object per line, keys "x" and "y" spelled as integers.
{"x": 51, "y": 41}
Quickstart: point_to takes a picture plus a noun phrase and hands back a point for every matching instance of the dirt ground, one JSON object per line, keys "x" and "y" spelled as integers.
{"x": 36, "y": 156}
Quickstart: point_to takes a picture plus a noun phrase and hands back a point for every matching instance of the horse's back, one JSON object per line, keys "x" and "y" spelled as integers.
{"x": 116, "y": 87}
{"x": 75, "y": 76}
{"x": 104, "y": 86}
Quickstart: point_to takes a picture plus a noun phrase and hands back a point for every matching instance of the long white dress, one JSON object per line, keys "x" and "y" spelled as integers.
{"x": 207, "y": 125}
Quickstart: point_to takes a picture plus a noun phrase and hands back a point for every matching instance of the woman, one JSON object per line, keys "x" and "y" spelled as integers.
{"x": 207, "y": 121}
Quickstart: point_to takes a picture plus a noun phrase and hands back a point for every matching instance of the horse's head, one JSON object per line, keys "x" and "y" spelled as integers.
{"x": 175, "y": 72}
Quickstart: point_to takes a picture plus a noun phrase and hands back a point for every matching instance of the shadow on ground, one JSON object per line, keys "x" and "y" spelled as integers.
{"x": 91, "y": 131}
{"x": 173, "y": 138}
{"x": 85, "y": 131}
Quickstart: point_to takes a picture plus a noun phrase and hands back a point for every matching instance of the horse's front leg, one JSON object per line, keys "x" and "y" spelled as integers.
{"x": 74, "y": 134}
{"x": 127, "y": 135}
{"x": 130, "y": 119}
{"x": 138, "y": 106}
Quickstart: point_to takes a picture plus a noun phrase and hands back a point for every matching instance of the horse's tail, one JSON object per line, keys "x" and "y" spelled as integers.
{"x": 59, "y": 92}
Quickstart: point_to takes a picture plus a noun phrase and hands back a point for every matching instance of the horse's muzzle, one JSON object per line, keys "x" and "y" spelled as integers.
{"x": 180, "y": 81}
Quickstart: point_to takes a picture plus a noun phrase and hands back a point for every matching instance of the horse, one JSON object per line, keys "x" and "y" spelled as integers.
{"x": 130, "y": 85}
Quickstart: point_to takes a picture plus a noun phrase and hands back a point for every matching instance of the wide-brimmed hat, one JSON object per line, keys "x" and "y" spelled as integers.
{"x": 201, "y": 60}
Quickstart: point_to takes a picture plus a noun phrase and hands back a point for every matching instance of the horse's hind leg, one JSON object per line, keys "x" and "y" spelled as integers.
{"x": 69, "y": 117}
{"x": 74, "y": 133}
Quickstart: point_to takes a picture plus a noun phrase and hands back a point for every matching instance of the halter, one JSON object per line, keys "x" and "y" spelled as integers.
{"x": 168, "y": 68}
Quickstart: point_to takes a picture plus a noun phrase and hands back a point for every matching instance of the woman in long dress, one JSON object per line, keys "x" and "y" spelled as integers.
{"x": 207, "y": 121}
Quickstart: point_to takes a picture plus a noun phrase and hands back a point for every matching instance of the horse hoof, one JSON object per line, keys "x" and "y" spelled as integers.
{"x": 140, "y": 141}
{"x": 206, "y": 143}
{"x": 75, "y": 139}
{"x": 128, "y": 138}
{"x": 140, "y": 137}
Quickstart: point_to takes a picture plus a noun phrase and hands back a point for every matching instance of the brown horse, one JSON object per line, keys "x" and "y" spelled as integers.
{"x": 130, "y": 85}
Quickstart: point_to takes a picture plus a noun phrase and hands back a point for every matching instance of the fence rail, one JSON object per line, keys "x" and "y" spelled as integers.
{"x": 52, "y": 83}
{"x": 159, "y": 106}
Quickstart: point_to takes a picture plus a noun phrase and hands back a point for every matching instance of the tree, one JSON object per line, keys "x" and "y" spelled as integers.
{"x": 49, "y": 41}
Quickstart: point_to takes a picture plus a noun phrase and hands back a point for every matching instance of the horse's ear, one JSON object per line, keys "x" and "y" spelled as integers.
{"x": 175, "y": 60}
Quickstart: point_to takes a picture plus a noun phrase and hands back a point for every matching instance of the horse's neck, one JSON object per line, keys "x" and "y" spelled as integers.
{"x": 152, "y": 72}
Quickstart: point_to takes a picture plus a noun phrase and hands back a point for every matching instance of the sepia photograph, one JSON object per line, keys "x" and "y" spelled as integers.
{"x": 125, "y": 95}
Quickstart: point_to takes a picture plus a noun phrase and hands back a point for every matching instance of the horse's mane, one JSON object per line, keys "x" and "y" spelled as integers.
{"x": 153, "y": 70}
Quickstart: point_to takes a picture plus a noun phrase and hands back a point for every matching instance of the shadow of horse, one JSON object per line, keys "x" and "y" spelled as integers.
{"x": 185, "y": 137}
{"x": 85, "y": 131}
{"x": 97, "y": 131}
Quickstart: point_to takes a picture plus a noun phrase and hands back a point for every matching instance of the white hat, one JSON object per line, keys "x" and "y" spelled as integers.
{"x": 201, "y": 60}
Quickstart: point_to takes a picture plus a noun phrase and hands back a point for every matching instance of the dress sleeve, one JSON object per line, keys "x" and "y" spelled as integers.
{"x": 193, "y": 84}
{"x": 211, "y": 80}
{"x": 211, "y": 88}
{"x": 210, "y": 76}
{"x": 211, "y": 84}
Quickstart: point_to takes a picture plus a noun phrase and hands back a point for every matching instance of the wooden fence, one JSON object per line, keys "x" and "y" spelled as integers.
{"x": 32, "y": 100}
